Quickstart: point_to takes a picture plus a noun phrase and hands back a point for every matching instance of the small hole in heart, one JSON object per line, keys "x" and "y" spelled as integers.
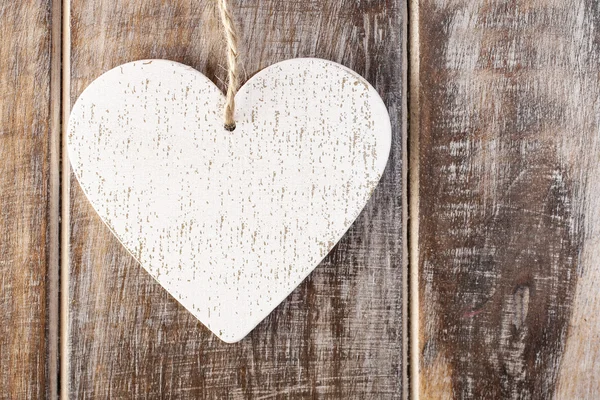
{"x": 230, "y": 127}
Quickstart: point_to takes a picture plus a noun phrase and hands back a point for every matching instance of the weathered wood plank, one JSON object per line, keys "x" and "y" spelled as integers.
{"x": 26, "y": 138}
{"x": 340, "y": 334}
{"x": 508, "y": 129}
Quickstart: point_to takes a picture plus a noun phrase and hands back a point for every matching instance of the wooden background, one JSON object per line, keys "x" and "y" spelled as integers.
{"x": 508, "y": 126}
{"x": 504, "y": 101}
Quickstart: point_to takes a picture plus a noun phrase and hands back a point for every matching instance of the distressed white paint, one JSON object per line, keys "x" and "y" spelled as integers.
{"x": 229, "y": 222}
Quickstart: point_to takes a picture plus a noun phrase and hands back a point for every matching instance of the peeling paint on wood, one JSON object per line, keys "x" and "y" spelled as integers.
{"x": 508, "y": 164}
{"x": 25, "y": 179}
{"x": 340, "y": 334}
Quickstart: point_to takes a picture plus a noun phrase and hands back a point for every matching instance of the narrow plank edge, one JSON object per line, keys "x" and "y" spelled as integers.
{"x": 413, "y": 194}
{"x": 54, "y": 200}
{"x": 406, "y": 292}
{"x": 65, "y": 195}
{"x": 26, "y": 130}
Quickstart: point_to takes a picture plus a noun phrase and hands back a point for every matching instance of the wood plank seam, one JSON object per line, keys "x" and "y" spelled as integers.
{"x": 406, "y": 301}
{"x": 413, "y": 195}
{"x": 65, "y": 200}
{"x": 54, "y": 200}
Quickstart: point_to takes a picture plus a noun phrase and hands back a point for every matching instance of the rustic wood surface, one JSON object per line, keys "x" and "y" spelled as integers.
{"x": 507, "y": 121}
{"x": 508, "y": 125}
{"x": 340, "y": 334}
{"x": 26, "y": 136}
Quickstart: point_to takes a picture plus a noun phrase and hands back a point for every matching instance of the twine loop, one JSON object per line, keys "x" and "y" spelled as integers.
{"x": 232, "y": 71}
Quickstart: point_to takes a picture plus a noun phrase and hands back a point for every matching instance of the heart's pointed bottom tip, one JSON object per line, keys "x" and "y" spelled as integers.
{"x": 231, "y": 339}
{"x": 234, "y": 333}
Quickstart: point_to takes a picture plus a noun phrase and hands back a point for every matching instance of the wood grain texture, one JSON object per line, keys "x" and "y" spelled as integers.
{"x": 508, "y": 129}
{"x": 340, "y": 334}
{"x": 25, "y": 174}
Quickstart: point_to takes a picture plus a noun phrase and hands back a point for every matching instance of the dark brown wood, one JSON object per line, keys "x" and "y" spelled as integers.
{"x": 508, "y": 130}
{"x": 26, "y": 138}
{"x": 340, "y": 334}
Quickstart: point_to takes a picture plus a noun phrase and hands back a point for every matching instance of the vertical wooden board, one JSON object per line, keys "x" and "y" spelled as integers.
{"x": 340, "y": 334}
{"x": 25, "y": 174}
{"x": 508, "y": 129}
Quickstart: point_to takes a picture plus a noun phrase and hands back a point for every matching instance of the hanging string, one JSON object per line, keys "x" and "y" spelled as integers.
{"x": 232, "y": 74}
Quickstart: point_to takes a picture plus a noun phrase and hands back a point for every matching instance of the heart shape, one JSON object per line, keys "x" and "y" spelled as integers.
{"x": 229, "y": 223}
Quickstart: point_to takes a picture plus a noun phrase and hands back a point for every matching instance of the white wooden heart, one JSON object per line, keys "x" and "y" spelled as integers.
{"x": 229, "y": 223}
